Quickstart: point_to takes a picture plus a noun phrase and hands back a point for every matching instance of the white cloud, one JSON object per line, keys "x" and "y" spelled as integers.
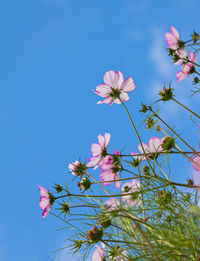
{"x": 158, "y": 53}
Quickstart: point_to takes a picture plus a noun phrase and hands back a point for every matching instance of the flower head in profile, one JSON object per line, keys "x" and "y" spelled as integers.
{"x": 46, "y": 200}
{"x": 132, "y": 187}
{"x": 115, "y": 88}
{"x": 153, "y": 147}
{"x": 110, "y": 169}
{"x": 99, "y": 253}
{"x": 187, "y": 68}
{"x": 99, "y": 151}
{"x": 77, "y": 168}
{"x": 172, "y": 39}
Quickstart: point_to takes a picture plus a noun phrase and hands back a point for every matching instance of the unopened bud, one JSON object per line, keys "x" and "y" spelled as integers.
{"x": 166, "y": 94}
{"x": 195, "y": 37}
{"x": 84, "y": 184}
{"x": 144, "y": 108}
{"x": 168, "y": 143}
{"x": 94, "y": 234}
{"x": 58, "y": 188}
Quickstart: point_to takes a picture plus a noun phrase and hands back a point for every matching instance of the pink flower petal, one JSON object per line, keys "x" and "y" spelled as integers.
{"x": 107, "y": 100}
{"x": 44, "y": 202}
{"x": 128, "y": 85}
{"x": 196, "y": 165}
{"x": 124, "y": 96}
{"x": 43, "y": 192}
{"x": 103, "y": 90}
{"x": 93, "y": 161}
{"x": 46, "y": 211}
{"x": 117, "y": 183}
{"x": 113, "y": 79}
{"x": 181, "y": 76}
{"x": 107, "y": 138}
{"x": 96, "y": 149}
{"x": 174, "y": 32}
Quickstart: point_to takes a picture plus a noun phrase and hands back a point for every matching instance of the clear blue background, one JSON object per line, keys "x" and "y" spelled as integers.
{"x": 53, "y": 53}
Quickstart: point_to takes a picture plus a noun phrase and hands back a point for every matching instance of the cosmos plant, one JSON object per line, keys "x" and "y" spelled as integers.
{"x": 131, "y": 204}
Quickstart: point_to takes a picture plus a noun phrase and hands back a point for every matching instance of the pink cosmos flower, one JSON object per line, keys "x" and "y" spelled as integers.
{"x": 99, "y": 151}
{"x": 110, "y": 168}
{"x": 130, "y": 187}
{"x": 112, "y": 204}
{"x": 77, "y": 168}
{"x": 172, "y": 39}
{"x": 186, "y": 68}
{"x": 45, "y": 202}
{"x": 196, "y": 163}
{"x": 182, "y": 54}
{"x": 115, "y": 88}
{"x": 99, "y": 253}
{"x": 154, "y": 146}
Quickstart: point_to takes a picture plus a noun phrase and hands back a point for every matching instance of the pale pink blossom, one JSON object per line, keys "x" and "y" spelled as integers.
{"x": 110, "y": 168}
{"x": 196, "y": 163}
{"x": 130, "y": 187}
{"x": 115, "y": 88}
{"x": 99, "y": 253}
{"x": 99, "y": 151}
{"x": 45, "y": 202}
{"x": 112, "y": 204}
{"x": 186, "y": 68}
{"x": 77, "y": 168}
{"x": 154, "y": 146}
{"x": 172, "y": 39}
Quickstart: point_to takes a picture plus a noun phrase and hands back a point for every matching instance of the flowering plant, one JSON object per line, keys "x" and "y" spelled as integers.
{"x": 149, "y": 216}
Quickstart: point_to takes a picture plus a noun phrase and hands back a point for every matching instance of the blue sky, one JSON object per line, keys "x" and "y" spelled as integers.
{"x": 53, "y": 53}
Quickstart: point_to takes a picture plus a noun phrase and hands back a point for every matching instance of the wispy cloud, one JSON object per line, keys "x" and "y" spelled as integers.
{"x": 158, "y": 53}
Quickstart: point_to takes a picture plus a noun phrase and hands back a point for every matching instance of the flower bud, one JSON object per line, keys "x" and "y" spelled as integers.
{"x": 144, "y": 108}
{"x": 135, "y": 162}
{"x": 94, "y": 234}
{"x": 195, "y": 37}
{"x": 84, "y": 184}
{"x": 196, "y": 80}
{"x": 168, "y": 143}
{"x": 146, "y": 171}
{"x": 166, "y": 94}
{"x": 149, "y": 123}
{"x": 164, "y": 198}
{"x": 104, "y": 221}
{"x": 64, "y": 208}
{"x": 58, "y": 188}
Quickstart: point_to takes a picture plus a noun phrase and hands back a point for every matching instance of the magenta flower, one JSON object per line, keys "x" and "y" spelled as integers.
{"x": 196, "y": 163}
{"x": 110, "y": 168}
{"x": 46, "y": 200}
{"x": 99, "y": 253}
{"x": 154, "y": 146}
{"x": 115, "y": 88}
{"x": 130, "y": 187}
{"x": 186, "y": 68}
{"x": 112, "y": 204}
{"x": 77, "y": 168}
{"x": 172, "y": 39}
{"x": 99, "y": 151}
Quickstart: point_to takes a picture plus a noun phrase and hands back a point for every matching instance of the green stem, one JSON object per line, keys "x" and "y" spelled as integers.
{"x": 138, "y": 136}
{"x": 155, "y": 114}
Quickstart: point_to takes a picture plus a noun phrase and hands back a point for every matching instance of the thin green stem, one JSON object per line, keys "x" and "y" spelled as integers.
{"x": 138, "y": 136}
{"x": 156, "y": 115}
